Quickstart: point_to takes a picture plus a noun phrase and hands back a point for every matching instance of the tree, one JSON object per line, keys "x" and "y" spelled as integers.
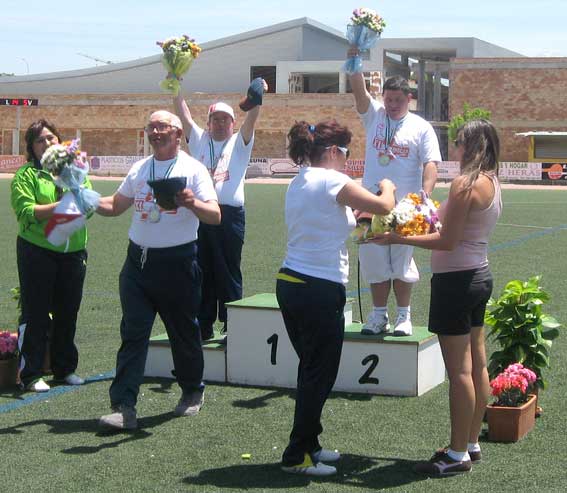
{"x": 467, "y": 115}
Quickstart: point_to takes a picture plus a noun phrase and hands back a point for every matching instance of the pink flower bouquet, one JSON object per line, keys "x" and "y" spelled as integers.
{"x": 512, "y": 385}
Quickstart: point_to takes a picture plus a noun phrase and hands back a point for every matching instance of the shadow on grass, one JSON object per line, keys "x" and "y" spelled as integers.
{"x": 275, "y": 393}
{"x": 71, "y": 426}
{"x": 352, "y": 470}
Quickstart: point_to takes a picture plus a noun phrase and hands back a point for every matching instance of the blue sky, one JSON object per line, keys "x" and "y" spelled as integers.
{"x": 46, "y": 36}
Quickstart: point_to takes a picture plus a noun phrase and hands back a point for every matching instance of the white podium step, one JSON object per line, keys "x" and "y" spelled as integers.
{"x": 259, "y": 352}
{"x": 159, "y": 362}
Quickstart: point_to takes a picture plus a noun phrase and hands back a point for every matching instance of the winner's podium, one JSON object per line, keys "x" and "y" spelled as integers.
{"x": 258, "y": 352}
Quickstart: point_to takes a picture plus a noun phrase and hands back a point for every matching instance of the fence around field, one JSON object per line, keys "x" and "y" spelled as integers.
{"x": 273, "y": 167}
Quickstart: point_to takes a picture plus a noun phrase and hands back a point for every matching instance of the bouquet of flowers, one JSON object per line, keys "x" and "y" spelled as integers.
{"x": 512, "y": 385}
{"x": 414, "y": 215}
{"x": 363, "y": 32}
{"x": 8, "y": 345}
{"x": 69, "y": 167}
{"x": 178, "y": 55}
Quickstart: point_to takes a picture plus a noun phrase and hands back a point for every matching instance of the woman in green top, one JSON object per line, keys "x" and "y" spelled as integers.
{"x": 51, "y": 277}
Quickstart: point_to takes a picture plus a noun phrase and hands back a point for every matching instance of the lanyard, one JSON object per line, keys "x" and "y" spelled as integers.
{"x": 167, "y": 173}
{"x": 214, "y": 161}
{"x": 389, "y": 133}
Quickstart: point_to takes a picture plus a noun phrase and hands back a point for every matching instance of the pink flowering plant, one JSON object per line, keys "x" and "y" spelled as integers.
{"x": 511, "y": 387}
{"x": 8, "y": 345}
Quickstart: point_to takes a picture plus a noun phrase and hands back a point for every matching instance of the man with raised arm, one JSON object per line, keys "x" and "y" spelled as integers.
{"x": 226, "y": 155}
{"x": 402, "y": 147}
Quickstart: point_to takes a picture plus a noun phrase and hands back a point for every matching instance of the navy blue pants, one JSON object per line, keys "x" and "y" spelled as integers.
{"x": 167, "y": 282}
{"x": 220, "y": 252}
{"x": 313, "y": 313}
{"x": 50, "y": 282}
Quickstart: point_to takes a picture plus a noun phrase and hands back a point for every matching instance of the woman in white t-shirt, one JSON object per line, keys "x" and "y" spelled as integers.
{"x": 310, "y": 286}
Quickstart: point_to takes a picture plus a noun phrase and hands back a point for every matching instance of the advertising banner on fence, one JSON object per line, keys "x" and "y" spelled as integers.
{"x": 554, "y": 171}
{"x": 448, "y": 170}
{"x": 10, "y": 164}
{"x": 519, "y": 171}
{"x": 112, "y": 165}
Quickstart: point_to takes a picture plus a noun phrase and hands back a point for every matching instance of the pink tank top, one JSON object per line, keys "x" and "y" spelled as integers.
{"x": 472, "y": 250}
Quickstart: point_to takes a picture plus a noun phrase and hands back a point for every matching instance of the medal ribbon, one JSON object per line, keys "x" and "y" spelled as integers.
{"x": 214, "y": 161}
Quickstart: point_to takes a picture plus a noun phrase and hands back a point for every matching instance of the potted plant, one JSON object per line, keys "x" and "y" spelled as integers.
{"x": 8, "y": 358}
{"x": 520, "y": 327}
{"x": 512, "y": 416}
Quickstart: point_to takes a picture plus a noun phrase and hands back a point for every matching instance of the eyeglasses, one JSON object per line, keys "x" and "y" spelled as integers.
{"x": 344, "y": 150}
{"x": 159, "y": 126}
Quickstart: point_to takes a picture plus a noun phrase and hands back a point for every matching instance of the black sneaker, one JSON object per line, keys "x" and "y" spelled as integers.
{"x": 476, "y": 457}
{"x": 442, "y": 465}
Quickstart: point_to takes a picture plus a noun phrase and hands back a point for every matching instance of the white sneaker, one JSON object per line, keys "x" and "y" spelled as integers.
{"x": 73, "y": 379}
{"x": 38, "y": 386}
{"x": 403, "y": 326}
{"x": 376, "y": 324}
{"x": 310, "y": 469}
{"x": 325, "y": 455}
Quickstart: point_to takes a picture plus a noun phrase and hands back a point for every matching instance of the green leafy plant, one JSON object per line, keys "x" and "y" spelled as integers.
{"x": 467, "y": 115}
{"x": 524, "y": 332}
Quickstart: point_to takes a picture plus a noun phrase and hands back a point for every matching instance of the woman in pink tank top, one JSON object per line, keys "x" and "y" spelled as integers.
{"x": 461, "y": 286}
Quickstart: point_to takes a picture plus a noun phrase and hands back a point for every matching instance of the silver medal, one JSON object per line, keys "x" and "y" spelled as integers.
{"x": 154, "y": 213}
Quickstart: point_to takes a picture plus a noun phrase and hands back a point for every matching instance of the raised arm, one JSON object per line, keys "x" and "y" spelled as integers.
{"x": 362, "y": 97}
{"x": 114, "y": 205}
{"x": 247, "y": 129}
{"x": 183, "y": 112}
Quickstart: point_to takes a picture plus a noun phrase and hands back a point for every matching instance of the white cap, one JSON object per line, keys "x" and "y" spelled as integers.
{"x": 221, "y": 107}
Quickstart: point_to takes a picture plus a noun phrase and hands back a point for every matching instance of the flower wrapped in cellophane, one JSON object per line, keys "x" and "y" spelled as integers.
{"x": 178, "y": 55}
{"x": 363, "y": 32}
{"x": 414, "y": 215}
{"x": 69, "y": 168}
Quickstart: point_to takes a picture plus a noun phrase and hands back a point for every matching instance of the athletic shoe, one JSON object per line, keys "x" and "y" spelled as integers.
{"x": 122, "y": 418}
{"x": 308, "y": 468}
{"x": 403, "y": 326}
{"x": 442, "y": 465}
{"x": 73, "y": 379}
{"x": 376, "y": 324}
{"x": 324, "y": 455}
{"x": 476, "y": 457}
{"x": 38, "y": 386}
{"x": 190, "y": 403}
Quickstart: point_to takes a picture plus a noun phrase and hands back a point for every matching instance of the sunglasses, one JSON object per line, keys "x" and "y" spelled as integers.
{"x": 458, "y": 142}
{"x": 344, "y": 150}
{"x": 160, "y": 127}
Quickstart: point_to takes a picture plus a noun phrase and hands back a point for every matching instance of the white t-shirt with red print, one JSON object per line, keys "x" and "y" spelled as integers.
{"x": 233, "y": 157}
{"x": 174, "y": 227}
{"x": 413, "y": 144}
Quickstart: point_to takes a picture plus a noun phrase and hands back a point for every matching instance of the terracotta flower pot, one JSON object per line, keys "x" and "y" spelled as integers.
{"x": 509, "y": 424}
{"x": 8, "y": 372}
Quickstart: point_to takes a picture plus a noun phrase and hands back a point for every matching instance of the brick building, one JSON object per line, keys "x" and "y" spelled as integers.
{"x": 107, "y": 106}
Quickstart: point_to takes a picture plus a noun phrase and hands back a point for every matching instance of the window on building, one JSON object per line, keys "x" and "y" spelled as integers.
{"x": 268, "y": 73}
{"x": 321, "y": 83}
{"x": 550, "y": 147}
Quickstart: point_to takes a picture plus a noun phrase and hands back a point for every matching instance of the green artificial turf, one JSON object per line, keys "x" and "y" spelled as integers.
{"x": 54, "y": 445}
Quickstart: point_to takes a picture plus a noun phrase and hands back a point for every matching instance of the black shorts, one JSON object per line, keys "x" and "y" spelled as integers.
{"x": 458, "y": 300}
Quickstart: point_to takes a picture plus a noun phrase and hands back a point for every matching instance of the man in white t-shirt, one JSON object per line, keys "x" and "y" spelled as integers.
{"x": 161, "y": 274}
{"x": 403, "y": 147}
{"x": 226, "y": 156}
